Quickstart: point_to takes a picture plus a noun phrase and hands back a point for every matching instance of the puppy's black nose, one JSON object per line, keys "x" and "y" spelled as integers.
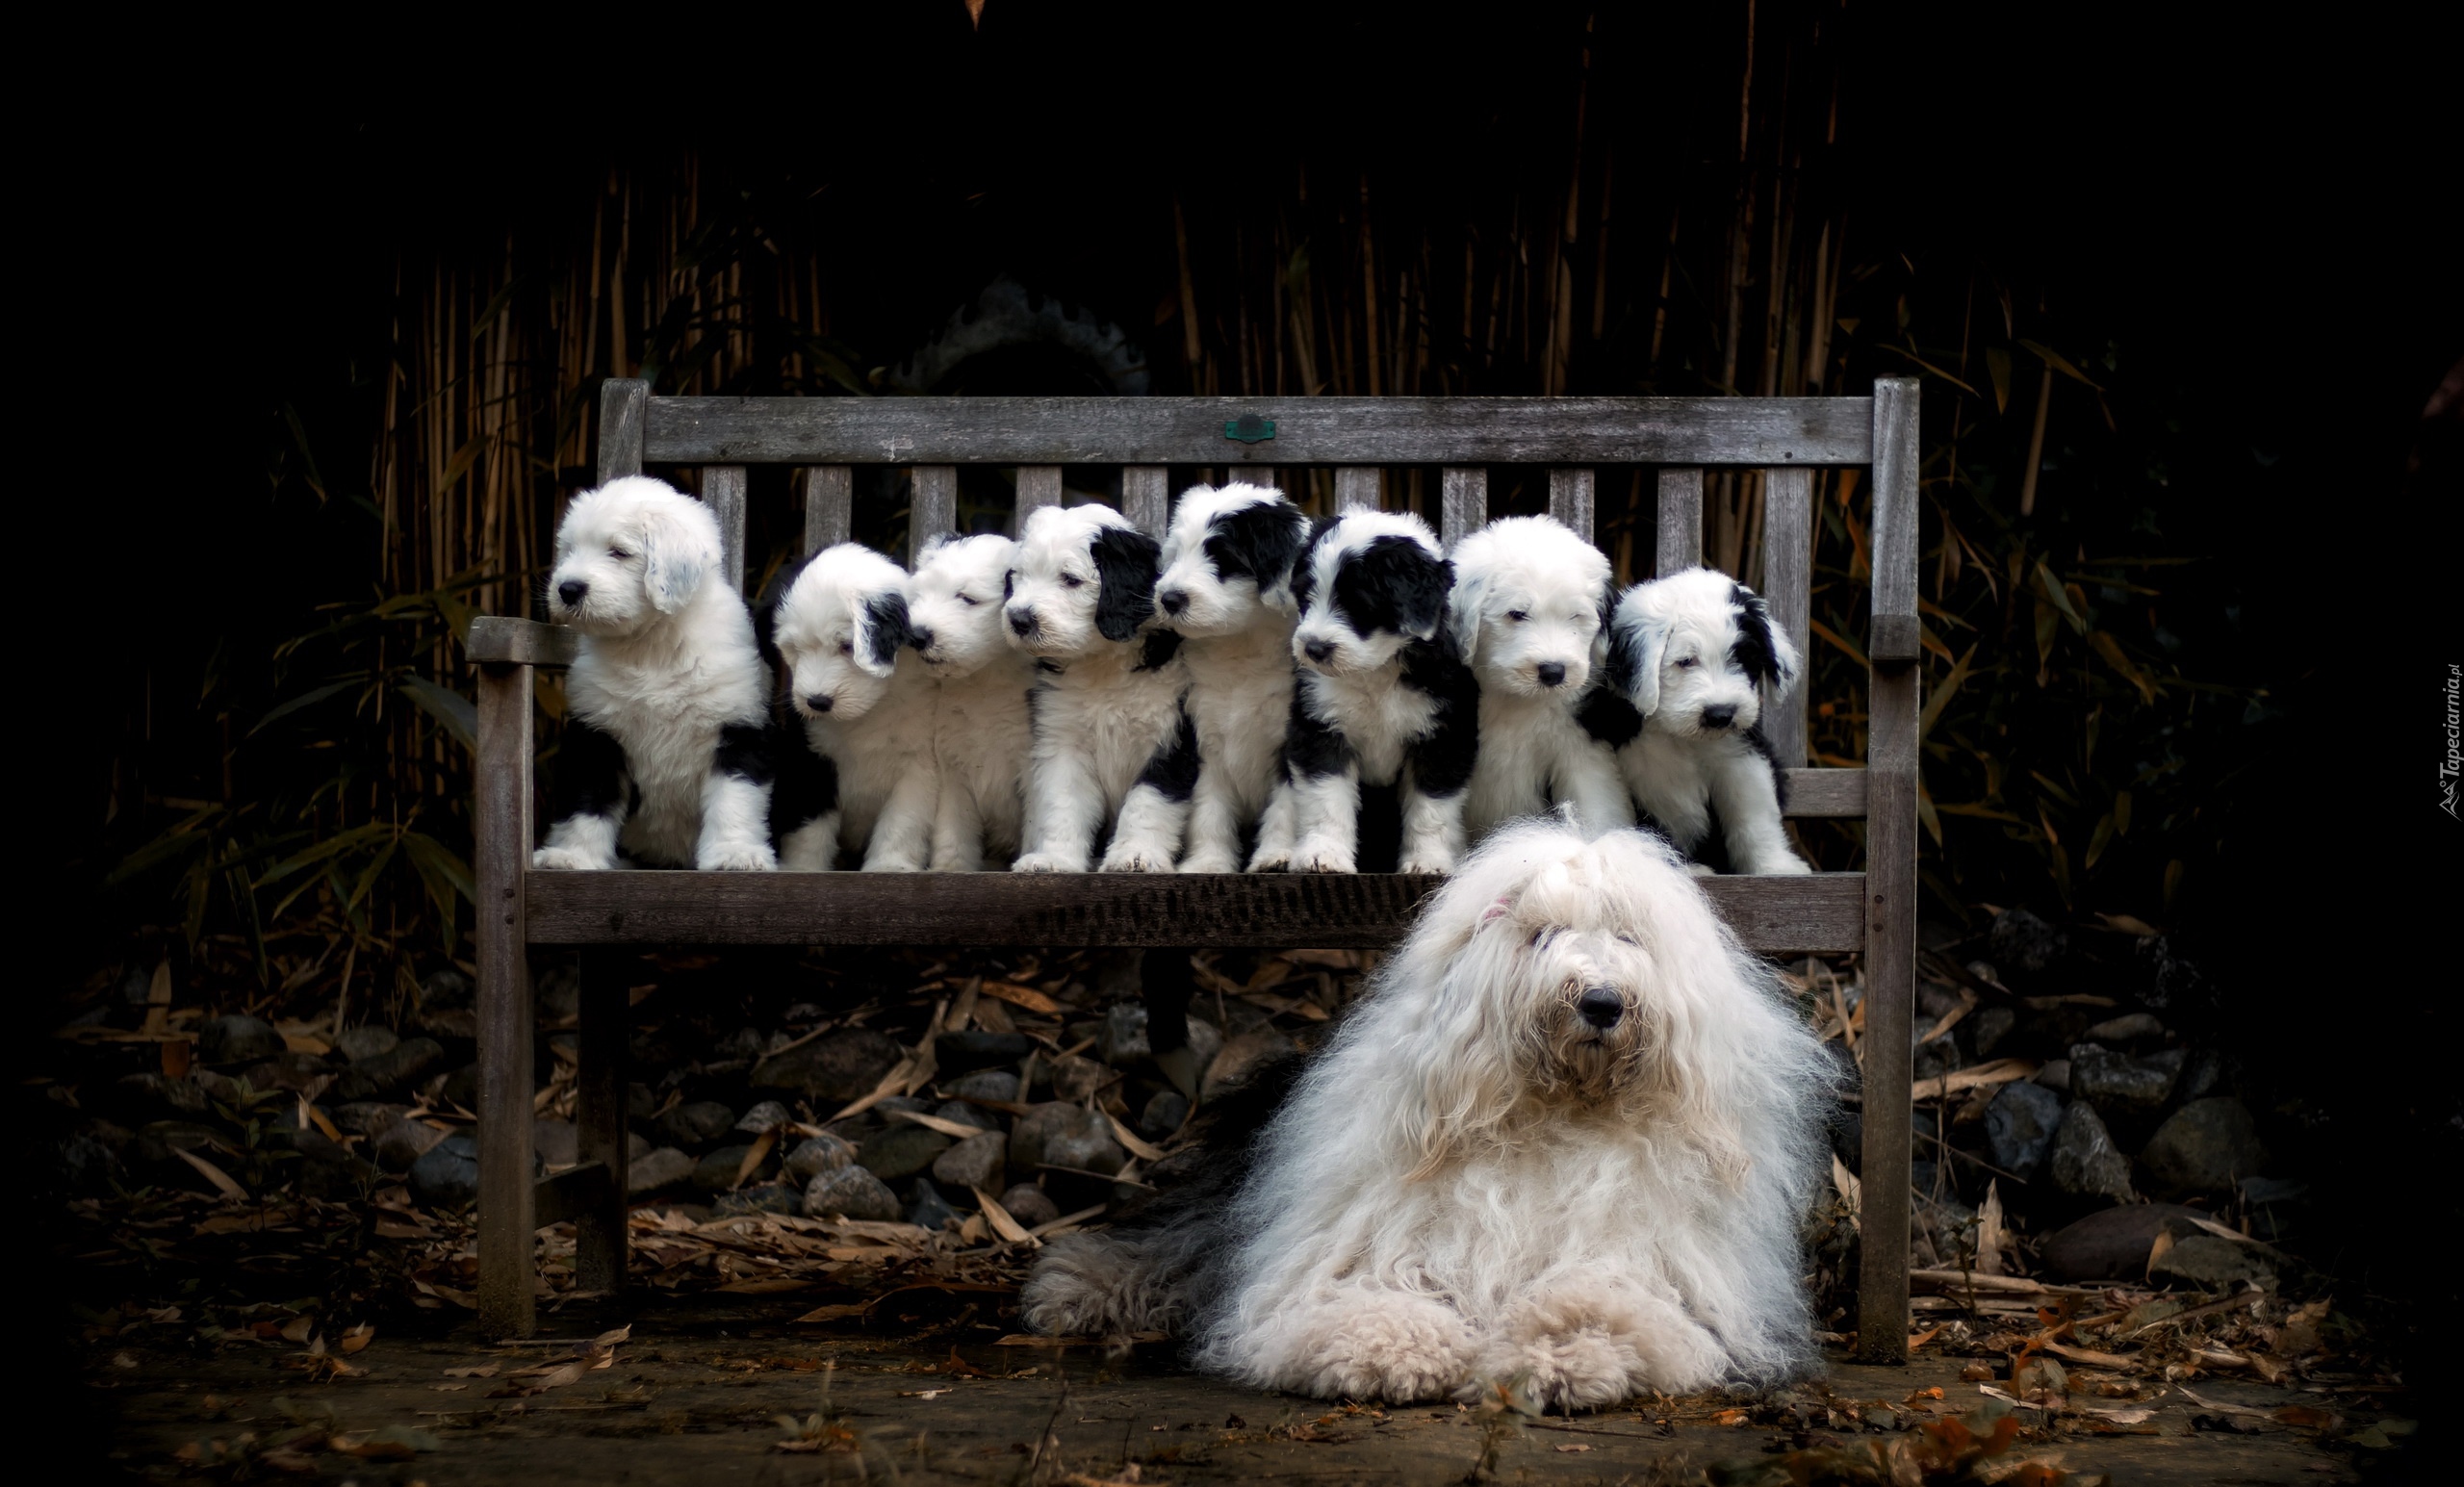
{"x": 819, "y": 702}
{"x": 1720, "y": 716}
{"x": 1551, "y": 673}
{"x": 1320, "y": 650}
{"x": 1601, "y": 1007}
{"x": 919, "y": 637}
{"x": 570, "y": 591}
{"x": 1022, "y": 622}
{"x": 1174, "y": 601}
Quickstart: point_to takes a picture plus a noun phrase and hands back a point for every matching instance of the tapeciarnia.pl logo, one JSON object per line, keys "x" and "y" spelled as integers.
{"x": 2453, "y": 764}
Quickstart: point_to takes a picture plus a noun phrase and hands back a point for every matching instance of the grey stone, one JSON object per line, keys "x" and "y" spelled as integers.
{"x": 2136, "y": 1027}
{"x": 663, "y": 1167}
{"x": 1163, "y": 1115}
{"x": 990, "y": 1084}
{"x": 1063, "y": 1135}
{"x": 2204, "y": 1148}
{"x": 963, "y": 1052}
{"x": 2262, "y": 1190}
{"x": 460, "y": 1087}
{"x": 152, "y": 1096}
{"x": 2054, "y": 1075}
{"x": 555, "y": 993}
{"x": 2020, "y": 940}
{"x": 816, "y": 1155}
{"x": 741, "y": 1047}
{"x": 390, "y": 1072}
{"x": 2211, "y": 1263}
{"x": 1123, "y": 1042}
{"x": 2118, "y": 1081}
{"x": 831, "y": 1070}
{"x": 1030, "y": 1205}
{"x": 297, "y": 1072}
{"x": 2085, "y": 1162}
{"x": 1075, "y": 1076}
{"x": 450, "y": 987}
{"x": 156, "y": 1140}
{"x": 555, "y": 1142}
{"x": 925, "y": 1208}
{"x": 697, "y": 1123}
{"x": 901, "y": 1150}
{"x": 1241, "y": 1056}
{"x": 716, "y": 1172}
{"x": 366, "y": 1041}
{"x": 2112, "y": 1243}
{"x": 446, "y": 1175}
{"x": 763, "y": 1116}
{"x": 369, "y": 1118}
{"x": 238, "y": 1039}
{"x": 1938, "y": 1057}
{"x": 403, "y": 1142}
{"x": 2019, "y": 1125}
{"x": 849, "y": 1193}
{"x": 1987, "y": 1028}
{"x": 637, "y": 1146}
{"x": 974, "y": 1163}
{"x": 964, "y": 1113}
{"x": 769, "y": 1197}
{"x": 2202, "y": 1075}
{"x": 641, "y": 1101}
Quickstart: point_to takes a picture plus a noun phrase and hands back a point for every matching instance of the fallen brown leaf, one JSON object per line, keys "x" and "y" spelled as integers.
{"x": 220, "y": 1179}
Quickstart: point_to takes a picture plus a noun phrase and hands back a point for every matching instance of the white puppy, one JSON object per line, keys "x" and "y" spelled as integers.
{"x": 1563, "y": 1147}
{"x": 1112, "y": 746}
{"x": 982, "y": 732}
{"x": 838, "y": 621}
{"x": 663, "y": 755}
{"x": 1226, "y": 590}
{"x": 1695, "y": 653}
{"x": 1530, "y": 611}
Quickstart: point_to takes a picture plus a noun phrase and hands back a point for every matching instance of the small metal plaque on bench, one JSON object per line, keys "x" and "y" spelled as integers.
{"x": 1250, "y": 428}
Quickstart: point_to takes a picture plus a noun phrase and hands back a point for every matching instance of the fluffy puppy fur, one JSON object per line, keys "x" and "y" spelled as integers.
{"x": 981, "y": 731}
{"x": 1226, "y": 591}
{"x": 1112, "y": 745}
{"x": 663, "y": 755}
{"x": 1383, "y": 698}
{"x": 836, "y": 623}
{"x": 1695, "y": 653}
{"x": 1564, "y": 1146}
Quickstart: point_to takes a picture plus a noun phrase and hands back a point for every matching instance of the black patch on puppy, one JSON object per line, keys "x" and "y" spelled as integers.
{"x": 807, "y": 788}
{"x": 1009, "y": 582}
{"x": 747, "y": 751}
{"x": 1393, "y": 584}
{"x": 589, "y": 779}
{"x": 1751, "y": 652}
{"x": 1304, "y": 571}
{"x": 765, "y": 609}
{"x": 1157, "y": 649}
{"x": 1172, "y": 770}
{"x": 1125, "y": 580}
{"x": 1442, "y": 758}
{"x": 1259, "y": 541}
{"x": 886, "y": 627}
{"x": 1311, "y": 747}
{"x": 1606, "y": 715}
{"x": 1625, "y": 663}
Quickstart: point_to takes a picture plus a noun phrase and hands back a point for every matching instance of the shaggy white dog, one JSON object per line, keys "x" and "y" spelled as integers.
{"x": 1226, "y": 590}
{"x": 1382, "y": 699}
{"x": 1564, "y": 1146}
{"x": 1695, "y": 653}
{"x": 982, "y": 732}
{"x": 663, "y": 755}
{"x": 1530, "y": 612}
{"x": 1112, "y": 745}
{"x": 838, "y": 621}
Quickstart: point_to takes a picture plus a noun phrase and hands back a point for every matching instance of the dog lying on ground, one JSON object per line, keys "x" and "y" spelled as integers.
{"x": 1563, "y": 1147}
{"x": 663, "y": 756}
{"x": 1695, "y": 653}
{"x": 981, "y": 730}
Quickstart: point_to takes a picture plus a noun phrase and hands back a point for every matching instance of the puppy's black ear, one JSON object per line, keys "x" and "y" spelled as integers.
{"x": 1625, "y": 658}
{"x": 1258, "y": 542}
{"x": 1125, "y": 580}
{"x": 1304, "y": 572}
{"x": 1418, "y": 583}
{"x": 887, "y": 629}
{"x": 765, "y": 609}
{"x": 1753, "y": 652}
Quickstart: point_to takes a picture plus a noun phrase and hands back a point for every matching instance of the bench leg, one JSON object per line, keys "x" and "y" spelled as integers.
{"x": 1890, "y": 995}
{"x": 600, "y": 1245}
{"x": 507, "y": 1272}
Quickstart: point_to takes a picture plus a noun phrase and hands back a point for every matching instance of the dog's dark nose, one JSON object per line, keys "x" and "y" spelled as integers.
{"x": 1022, "y": 622}
{"x": 819, "y": 702}
{"x": 1551, "y": 673}
{"x": 1601, "y": 1007}
{"x": 1720, "y": 716}
{"x": 919, "y": 637}
{"x": 570, "y": 591}
{"x": 1174, "y": 601}
{"x": 1320, "y": 650}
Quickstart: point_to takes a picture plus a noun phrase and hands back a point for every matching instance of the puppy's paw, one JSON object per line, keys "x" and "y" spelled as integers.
{"x": 736, "y": 856}
{"x": 1210, "y": 859}
{"x": 568, "y": 859}
{"x": 1700, "y": 871}
{"x": 1779, "y": 864}
{"x": 1046, "y": 863}
{"x": 1272, "y": 859}
{"x": 1323, "y": 856}
{"x": 894, "y": 863}
{"x": 1137, "y": 858}
{"x": 1438, "y": 864}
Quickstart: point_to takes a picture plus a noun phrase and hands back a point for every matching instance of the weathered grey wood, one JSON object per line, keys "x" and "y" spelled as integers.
{"x": 522, "y": 642}
{"x": 1813, "y": 914}
{"x": 723, "y": 492}
{"x": 1895, "y": 464}
{"x": 624, "y": 407}
{"x": 500, "y": 865}
{"x": 1894, "y": 638}
{"x": 1826, "y": 792}
{"x": 932, "y": 507}
{"x": 1360, "y": 488}
{"x": 1680, "y": 522}
{"x": 599, "y": 1242}
{"x": 1308, "y": 430}
{"x": 830, "y": 506}
{"x": 1462, "y": 502}
{"x": 1039, "y": 485}
{"x": 571, "y": 1195}
{"x": 1787, "y": 584}
{"x": 1146, "y": 498}
{"x": 1570, "y": 498}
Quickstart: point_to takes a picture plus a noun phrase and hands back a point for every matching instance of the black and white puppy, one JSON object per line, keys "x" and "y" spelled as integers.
{"x": 982, "y": 729}
{"x": 838, "y": 622}
{"x": 1112, "y": 745}
{"x": 1226, "y": 590}
{"x": 663, "y": 756}
{"x": 1383, "y": 698}
{"x": 1530, "y": 612}
{"x": 1697, "y": 655}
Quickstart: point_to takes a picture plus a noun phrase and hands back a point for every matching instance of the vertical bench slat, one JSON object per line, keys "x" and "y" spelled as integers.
{"x": 624, "y": 408}
{"x": 1146, "y": 498}
{"x": 1570, "y": 498}
{"x": 1787, "y": 583}
{"x": 501, "y": 832}
{"x": 722, "y": 491}
{"x": 1039, "y": 485}
{"x": 1359, "y": 487}
{"x": 830, "y": 506}
{"x": 931, "y": 508}
{"x": 601, "y": 1245}
{"x": 1462, "y": 502}
{"x": 1681, "y": 520}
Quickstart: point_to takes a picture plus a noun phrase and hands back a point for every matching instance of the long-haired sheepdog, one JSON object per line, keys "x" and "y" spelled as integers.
{"x": 1696, "y": 655}
{"x": 1112, "y": 745}
{"x": 838, "y": 622}
{"x": 1530, "y": 612}
{"x": 1564, "y": 1145}
{"x": 981, "y": 731}
{"x": 1383, "y": 698}
{"x": 665, "y": 756}
{"x": 1226, "y": 590}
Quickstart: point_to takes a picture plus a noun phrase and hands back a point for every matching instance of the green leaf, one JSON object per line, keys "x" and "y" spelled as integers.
{"x": 2053, "y": 590}
{"x": 1942, "y": 697}
{"x": 458, "y": 712}
{"x": 2105, "y": 645}
{"x": 332, "y": 845}
{"x": 308, "y": 699}
{"x": 1997, "y": 366}
{"x": 2054, "y": 359}
{"x": 445, "y": 873}
{"x": 2096, "y": 839}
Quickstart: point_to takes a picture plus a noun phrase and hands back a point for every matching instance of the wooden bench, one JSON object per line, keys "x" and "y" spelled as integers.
{"x": 1873, "y": 912}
